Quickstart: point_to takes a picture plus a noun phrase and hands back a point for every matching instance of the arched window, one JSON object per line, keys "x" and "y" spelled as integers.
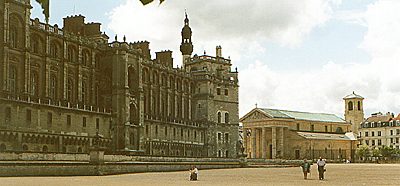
{"x": 53, "y": 87}
{"x": 219, "y": 117}
{"x": 79, "y": 149}
{"x": 25, "y": 147}
{"x": 72, "y": 54}
{"x": 70, "y": 90}
{"x": 86, "y": 58}
{"x": 339, "y": 130}
{"x": 45, "y": 148}
{"x": 35, "y": 44}
{"x": 16, "y": 31}
{"x": 34, "y": 83}
{"x": 359, "y": 105}
{"x": 226, "y": 117}
{"x": 54, "y": 50}
{"x": 350, "y": 105}
{"x": 131, "y": 77}
{"x": 8, "y": 115}
{"x": 132, "y": 112}
{"x": 12, "y": 79}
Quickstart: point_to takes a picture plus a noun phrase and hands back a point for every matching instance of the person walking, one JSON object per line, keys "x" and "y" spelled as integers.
{"x": 306, "y": 168}
{"x": 321, "y": 168}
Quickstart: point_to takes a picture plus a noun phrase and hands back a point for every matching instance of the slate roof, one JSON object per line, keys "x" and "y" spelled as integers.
{"x": 275, "y": 113}
{"x": 326, "y": 136}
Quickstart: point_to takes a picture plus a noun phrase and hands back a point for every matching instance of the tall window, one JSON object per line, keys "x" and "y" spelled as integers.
{"x": 53, "y": 87}
{"x": 226, "y": 117}
{"x": 350, "y": 105}
{"x": 219, "y": 117}
{"x": 68, "y": 120}
{"x": 13, "y": 37}
{"x": 72, "y": 54}
{"x": 34, "y": 83}
{"x": 35, "y": 44}
{"x": 84, "y": 89}
{"x": 226, "y": 138}
{"x": 298, "y": 126}
{"x": 70, "y": 88}
{"x": 12, "y": 79}
{"x": 84, "y": 122}
{"x": 85, "y": 58}
{"x": 8, "y": 115}
{"x": 97, "y": 124}
{"x": 326, "y": 128}
{"x": 218, "y": 91}
{"x": 49, "y": 119}
{"x": 312, "y": 128}
{"x": 359, "y": 105}
{"x": 28, "y": 116}
{"x": 54, "y": 50}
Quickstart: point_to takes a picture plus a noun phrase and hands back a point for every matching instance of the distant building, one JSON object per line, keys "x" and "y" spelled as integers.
{"x": 380, "y": 130}
{"x": 62, "y": 87}
{"x": 273, "y": 133}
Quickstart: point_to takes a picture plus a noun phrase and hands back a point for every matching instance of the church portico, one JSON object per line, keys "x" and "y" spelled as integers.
{"x": 266, "y": 142}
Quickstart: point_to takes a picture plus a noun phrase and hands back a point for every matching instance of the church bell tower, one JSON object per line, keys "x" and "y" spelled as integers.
{"x": 354, "y": 112}
{"x": 186, "y": 44}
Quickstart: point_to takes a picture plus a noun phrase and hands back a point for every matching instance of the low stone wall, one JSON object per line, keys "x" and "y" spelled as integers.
{"x": 86, "y": 169}
{"x": 14, "y": 156}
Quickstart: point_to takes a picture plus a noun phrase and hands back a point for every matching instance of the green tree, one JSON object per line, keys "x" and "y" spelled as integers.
{"x": 363, "y": 152}
{"x": 376, "y": 152}
{"x": 387, "y": 151}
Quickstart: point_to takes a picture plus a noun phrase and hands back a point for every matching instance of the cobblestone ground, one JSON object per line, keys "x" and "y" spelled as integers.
{"x": 336, "y": 174}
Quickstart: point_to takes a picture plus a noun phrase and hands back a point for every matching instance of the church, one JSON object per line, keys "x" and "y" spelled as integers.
{"x": 63, "y": 87}
{"x": 283, "y": 134}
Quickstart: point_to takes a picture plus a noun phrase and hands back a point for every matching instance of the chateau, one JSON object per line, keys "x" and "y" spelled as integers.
{"x": 62, "y": 88}
{"x": 283, "y": 134}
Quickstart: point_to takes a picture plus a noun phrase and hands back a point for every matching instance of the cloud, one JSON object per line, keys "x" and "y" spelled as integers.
{"x": 322, "y": 90}
{"x": 236, "y": 25}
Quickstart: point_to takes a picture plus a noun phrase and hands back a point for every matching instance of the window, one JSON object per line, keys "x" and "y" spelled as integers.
{"x": 219, "y": 153}
{"x": 3, "y": 147}
{"x": 97, "y": 124}
{"x": 54, "y": 49}
{"x": 226, "y": 153}
{"x": 45, "y": 148}
{"x": 28, "y": 116}
{"x": 156, "y": 130}
{"x": 12, "y": 79}
{"x": 226, "y": 117}
{"x": 326, "y": 128}
{"x": 219, "y": 117}
{"x": 358, "y": 105}
{"x": 379, "y": 142}
{"x": 366, "y": 134}
{"x": 195, "y": 134}
{"x": 181, "y": 133}
{"x": 8, "y": 115}
{"x": 218, "y": 91}
{"x": 397, "y": 131}
{"x": 367, "y": 142}
{"x": 379, "y": 133}
{"x": 391, "y": 132}
{"x": 35, "y": 44}
{"x": 165, "y": 131}
{"x": 70, "y": 88}
{"x": 84, "y": 122}
{"x": 49, "y": 119}
{"x": 312, "y": 127}
{"x": 86, "y": 58}
{"x": 13, "y": 37}
{"x": 226, "y": 138}
{"x": 72, "y": 54}
{"x": 34, "y": 83}
{"x": 397, "y": 140}
{"x": 373, "y": 142}
{"x": 226, "y": 92}
{"x": 68, "y": 120}
{"x": 298, "y": 126}
{"x": 53, "y": 87}
{"x": 219, "y": 136}
{"x": 350, "y": 105}
{"x": 339, "y": 130}
{"x": 84, "y": 88}
{"x": 391, "y": 140}
{"x": 147, "y": 130}
{"x": 372, "y": 133}
{"x": 174, "y": 132}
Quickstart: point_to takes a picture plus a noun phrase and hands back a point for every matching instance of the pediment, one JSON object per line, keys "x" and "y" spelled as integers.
{"x": 254, "y": 115}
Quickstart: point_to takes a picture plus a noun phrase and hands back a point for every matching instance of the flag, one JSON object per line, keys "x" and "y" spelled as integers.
{"x": 46, "y": 9}
{"x": 145, "y": 2}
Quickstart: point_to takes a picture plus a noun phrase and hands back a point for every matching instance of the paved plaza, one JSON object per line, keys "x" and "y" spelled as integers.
{"x": 337, "y": 174}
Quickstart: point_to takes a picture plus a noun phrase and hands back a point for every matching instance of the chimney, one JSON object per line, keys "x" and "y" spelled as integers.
{"x": 218, "y": 51}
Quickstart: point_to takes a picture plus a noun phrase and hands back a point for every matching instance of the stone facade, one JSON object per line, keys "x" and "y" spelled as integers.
{"x": 60, "y": 88}
{"x": 282, "y": 134}
{"x": 380, "y": 130}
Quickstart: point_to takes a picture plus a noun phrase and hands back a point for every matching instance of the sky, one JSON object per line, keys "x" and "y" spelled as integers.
{"x": 303, "y": 55}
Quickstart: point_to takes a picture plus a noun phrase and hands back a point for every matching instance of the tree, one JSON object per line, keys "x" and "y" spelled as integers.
{"x": 376, "y": 152}
{"x": 387, "y": 151}
{"x": 363, "y": 152}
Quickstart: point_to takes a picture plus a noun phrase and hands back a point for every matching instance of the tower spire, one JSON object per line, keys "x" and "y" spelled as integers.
{"x": 186, "y": 44}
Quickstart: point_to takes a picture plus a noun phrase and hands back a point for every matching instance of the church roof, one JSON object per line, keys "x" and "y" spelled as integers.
{"x": 324, "y": 117}
{"x": 353, "y": 95}
{"x": 327, "y": 136}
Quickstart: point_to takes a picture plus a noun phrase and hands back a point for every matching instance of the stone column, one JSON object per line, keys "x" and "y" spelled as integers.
{"x": 263, "y": 143}
{"x": 273, "y": 142}
{"x": 245, "y": 144}
{"x": 281, "y": 142}
{"x": 253, "y": 143}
